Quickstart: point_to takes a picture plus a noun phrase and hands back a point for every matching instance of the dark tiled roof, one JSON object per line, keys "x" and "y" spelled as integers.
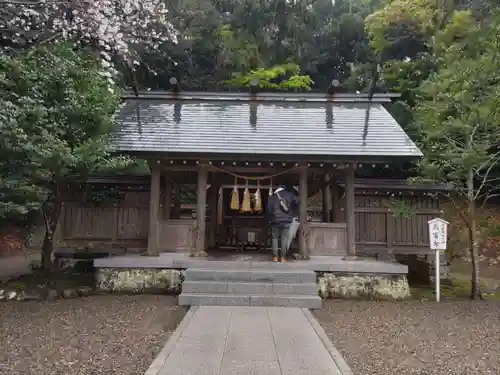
{"x": 261, "y": 127}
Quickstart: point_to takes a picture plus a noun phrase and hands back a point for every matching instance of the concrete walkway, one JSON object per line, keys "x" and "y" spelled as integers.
{"x": 248, "y": 341}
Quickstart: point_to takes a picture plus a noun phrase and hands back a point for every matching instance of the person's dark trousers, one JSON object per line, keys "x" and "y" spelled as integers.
{"x": 279, "y": 235}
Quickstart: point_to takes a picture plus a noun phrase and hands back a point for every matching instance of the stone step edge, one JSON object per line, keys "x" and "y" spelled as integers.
{"x": 252, "y": 282}
{"x": 249, "y": 287}
{"x": 282, "y": 276}
{"x": 232, "y": 295}
{"x": 310, "y": 302}
{"x": 263, "y": 270}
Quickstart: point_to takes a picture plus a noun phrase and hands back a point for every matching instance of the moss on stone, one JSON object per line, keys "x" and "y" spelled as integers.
{"x": 138, "y": 280}
{"x": 364, "y": 286}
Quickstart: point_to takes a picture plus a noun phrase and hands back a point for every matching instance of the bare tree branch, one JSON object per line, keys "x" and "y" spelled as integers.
{"x": 493, "y": 162}
{"x": 457, "y": 208}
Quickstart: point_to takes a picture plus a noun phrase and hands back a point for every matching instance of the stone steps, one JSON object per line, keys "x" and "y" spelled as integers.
{"x": 250, "y": 288}
{"x": 222, "y": 287}
{"x": 274, "y": 276}
{"x": 302, "y": 301}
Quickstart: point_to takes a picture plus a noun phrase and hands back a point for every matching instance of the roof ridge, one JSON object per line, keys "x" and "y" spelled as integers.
{"x": 262, "y": 96}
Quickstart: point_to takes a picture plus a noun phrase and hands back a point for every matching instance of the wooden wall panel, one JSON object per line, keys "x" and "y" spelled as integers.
{"x": 326, "y": 238}
{"x": 377, "y": 229}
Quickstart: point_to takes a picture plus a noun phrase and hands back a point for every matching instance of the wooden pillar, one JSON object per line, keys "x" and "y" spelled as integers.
{"x": 327, "y": 199}
{"x": 201, "y": 212}
{"x": 349, "y": 212}
{"x": 176, "y": 211}
{"x": 336, "y": 202}
{"x": 212, "y": 205}
{"x": 167, "y": 204}
{"x": 389, "y": 227}
{"x": 154, "y": 210}
{"x": 303, "y": 213}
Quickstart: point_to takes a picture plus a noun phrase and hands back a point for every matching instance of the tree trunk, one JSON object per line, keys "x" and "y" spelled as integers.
{"x": 51, "y": 217}
{"x": 474, "y": 253}
{"x": 473, "y": 240}
{"x": 47, "y": 248}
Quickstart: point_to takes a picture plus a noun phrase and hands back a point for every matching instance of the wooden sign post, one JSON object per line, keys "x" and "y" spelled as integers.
{"x": 438, "y": 234}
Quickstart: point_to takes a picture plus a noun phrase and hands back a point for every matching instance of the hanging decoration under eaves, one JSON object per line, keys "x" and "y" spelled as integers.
{"x": 235, "y": 197}
{"x": 246, "y": 205}
{"x": 257, "y": 200}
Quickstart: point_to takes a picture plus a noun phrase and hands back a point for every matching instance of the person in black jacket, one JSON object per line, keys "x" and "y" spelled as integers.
{"x": 281, "y": 210}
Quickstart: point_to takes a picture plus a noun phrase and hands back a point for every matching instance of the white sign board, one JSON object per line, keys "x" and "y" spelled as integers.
{"x": 438, "y": 233}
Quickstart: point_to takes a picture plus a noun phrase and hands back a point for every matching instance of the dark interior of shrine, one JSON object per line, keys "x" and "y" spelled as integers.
{"x": 243, "y": 231}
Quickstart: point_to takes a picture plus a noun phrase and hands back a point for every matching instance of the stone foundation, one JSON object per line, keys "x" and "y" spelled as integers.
{"x": 363, "y": 286}
{"x": 139, "y": 280}
{"x": 330, "y": 285}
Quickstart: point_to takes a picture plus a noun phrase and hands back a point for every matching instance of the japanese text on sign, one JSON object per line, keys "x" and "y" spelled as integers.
{"x": 438, "y": 234}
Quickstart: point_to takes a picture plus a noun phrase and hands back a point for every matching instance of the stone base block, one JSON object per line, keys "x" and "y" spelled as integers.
{"x": 363, "y": 286}
{"x": 138, "y": 280}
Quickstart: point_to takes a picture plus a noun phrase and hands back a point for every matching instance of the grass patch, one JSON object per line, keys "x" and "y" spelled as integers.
{"x": 459, "y": 290}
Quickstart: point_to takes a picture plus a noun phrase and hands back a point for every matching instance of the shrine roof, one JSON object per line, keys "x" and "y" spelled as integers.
{"x": 307, "y": 125}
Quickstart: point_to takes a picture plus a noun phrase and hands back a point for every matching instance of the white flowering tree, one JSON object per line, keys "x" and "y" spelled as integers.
{"x": 120, "y": 28}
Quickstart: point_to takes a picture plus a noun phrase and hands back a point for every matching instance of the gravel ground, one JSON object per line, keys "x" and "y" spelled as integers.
{"x": 99, "y": 335}
{"x": 449, "y": 338}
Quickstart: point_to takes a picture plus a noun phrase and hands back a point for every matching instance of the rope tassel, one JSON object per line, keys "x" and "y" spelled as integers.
{"x": 258, "y": 199}
{"x": 235, "y": 197}
{"x": 246, "y": 205}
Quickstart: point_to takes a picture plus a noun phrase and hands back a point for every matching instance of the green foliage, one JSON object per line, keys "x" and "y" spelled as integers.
{"x": 405, "y": 75}
{"x": 57, "y": 108}
{"x": 280, "y": 77}
{"x": 407, "y": 37}
{"x": 494, "y": 231}
{"x": 97, "y": 196}
{"x": 459, "y": 109}
{"x": 399, "y": 19}
{"x": 223, "y": 37}
{"x": 136, "y": 167}
{"x": 460, "y": 25}
{"x": 238, "y": 51}
{"x": 400, "y": 208}
{"x": 459, "y": 115}
{"x": 458, "y": 290}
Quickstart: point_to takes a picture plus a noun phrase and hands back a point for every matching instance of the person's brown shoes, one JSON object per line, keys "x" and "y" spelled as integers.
{"x": 283, "y": 260}
{"x": 275, "y": 259}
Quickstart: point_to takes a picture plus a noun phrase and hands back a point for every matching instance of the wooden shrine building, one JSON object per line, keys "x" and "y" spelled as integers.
{"x": 224, "y": 142}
